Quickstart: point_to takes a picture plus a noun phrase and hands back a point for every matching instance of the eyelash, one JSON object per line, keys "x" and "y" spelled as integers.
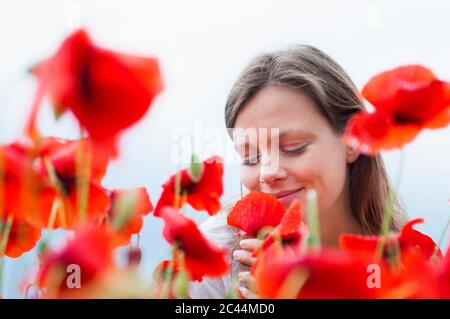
{"x": 292, "y": 152}
{"x": 254, "y": 161}
{"x": 296, "y": 151}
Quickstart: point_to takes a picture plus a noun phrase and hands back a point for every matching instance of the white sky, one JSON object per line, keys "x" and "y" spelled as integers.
{"x": 202, "y": 46}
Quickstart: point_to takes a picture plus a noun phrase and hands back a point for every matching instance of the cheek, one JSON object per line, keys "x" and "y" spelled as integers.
{"x": 325, "y": 174}
{"x": 250, "y": 177}
{"x": 333, "y": 180}
{"x": 306, "y": 170}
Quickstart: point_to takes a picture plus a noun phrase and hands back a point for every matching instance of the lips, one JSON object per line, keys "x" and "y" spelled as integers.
{"x": 284, "y": 194}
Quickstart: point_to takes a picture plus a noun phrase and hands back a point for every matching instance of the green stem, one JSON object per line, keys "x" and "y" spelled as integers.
{"x": 177, "y": 199}
{"x": 387, "y": 216}
{"x": 5, "y": 235}
{"x": 58, "y": 205}
{"x": 53, "y": 176}
{"x": 241, "y": 189}
{"x": 54, "y": 211}
{"x": 83, "y": 168}
{"x": 313, "y": 220}
{"x": 165, "y": 294}
{"x": 3, "y": 244}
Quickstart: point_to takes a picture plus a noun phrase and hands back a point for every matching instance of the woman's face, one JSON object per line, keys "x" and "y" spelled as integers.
{"x": 303, "y": 154}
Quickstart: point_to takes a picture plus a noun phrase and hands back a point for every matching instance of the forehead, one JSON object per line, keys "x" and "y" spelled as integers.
{"x": 288, "y": 110}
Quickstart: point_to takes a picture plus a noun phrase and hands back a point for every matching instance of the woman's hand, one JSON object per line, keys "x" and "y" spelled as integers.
{"x": 245, "y": 256}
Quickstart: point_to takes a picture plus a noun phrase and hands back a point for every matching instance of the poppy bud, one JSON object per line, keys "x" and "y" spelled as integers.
{"x": 195, "y": 170}
{"x": 134, "y": 256}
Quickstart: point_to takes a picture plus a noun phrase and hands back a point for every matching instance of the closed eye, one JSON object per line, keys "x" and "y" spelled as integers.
{"x": 295, "y": 151}
{"x": 251, "y": 161}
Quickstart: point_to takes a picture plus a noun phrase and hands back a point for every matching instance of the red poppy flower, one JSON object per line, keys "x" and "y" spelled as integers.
{"x": 417, "y": 277}
{"x": 289, "y": 273}
{"x": 22, "y": 237}
{"x": 200, "y": 256}
{"x": 20, "y": 185}
{"x": 406, "y": 100}
{"x": 443, "y": 276}
{"x": 201, "y": 194}
{"x": 412, "y": 272}
{"x": 12, "y": 168}
{"x": 160, "y": 274}
{"x": 105, "y": 90}
{"x": 256, "y": 211}
{"x": 291, "y": 229}
{"x": 90, "y": 250}
{"x": 161, "y": 287}
{"x": 162, "y": 268}
{"x": 408, "y": 239}
{"x": 62, "y": 156}
{"x": 126, "y": 213}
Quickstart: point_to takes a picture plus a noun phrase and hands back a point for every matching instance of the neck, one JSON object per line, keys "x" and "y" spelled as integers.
{"x": 338, "y": 220}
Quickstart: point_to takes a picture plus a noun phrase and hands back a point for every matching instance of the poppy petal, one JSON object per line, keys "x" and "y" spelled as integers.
{"x": 291, "y": 228}
{"x": 203, "y": 194}
{"x": 372, "y": 132}
{"x": 201, "y": 257}
{"x": 22, "y": 238}
{"x": 254, "y": 212}
{"x": 413, "y": 239}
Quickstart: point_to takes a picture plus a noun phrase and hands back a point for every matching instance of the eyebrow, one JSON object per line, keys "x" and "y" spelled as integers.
{"x": 284, "y": 132}
{"x": 296, "y": 131}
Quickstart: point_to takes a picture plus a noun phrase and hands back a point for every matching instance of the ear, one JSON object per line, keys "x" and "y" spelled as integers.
{"x": 352, "y": 154}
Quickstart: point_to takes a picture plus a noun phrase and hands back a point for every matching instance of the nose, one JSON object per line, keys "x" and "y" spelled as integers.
{"x": 270, "y": 172}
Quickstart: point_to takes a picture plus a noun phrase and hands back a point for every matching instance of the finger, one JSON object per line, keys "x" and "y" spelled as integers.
{"x": 247, "y": 279}
{"x": 244, "y": 257}
{"x": 247, "y": 294}
{"x": 251, "y": 244}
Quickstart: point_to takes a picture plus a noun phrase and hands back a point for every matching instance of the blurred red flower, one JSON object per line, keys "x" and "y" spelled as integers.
{"x": 125, "y": 217}
{"x": 330, "y": 273}
{"x": 293, "y": 272}
{"x": 407, "y": 239}
{"x": 63, "y": 156}
{"x": 90, "y": 250}
{"x": 20, "y": 185}
{"x": 164, "y": 266}
{"x": 161, "y": 279}
{"x": 22, "y": 237}
{"x": 58, "y": 162}
{"x": 291, "y": 230}
{"x": 201, "y": 258}
{"x": 105, "y": 90}
{"x": 406, "y": 100}
{"x": 443, "y": 276}
{"x": 255, "y": 211}
{"x": 201, "y": 194}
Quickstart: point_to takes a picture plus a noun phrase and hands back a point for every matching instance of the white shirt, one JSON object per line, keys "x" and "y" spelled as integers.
{"x": 220, "y": 234}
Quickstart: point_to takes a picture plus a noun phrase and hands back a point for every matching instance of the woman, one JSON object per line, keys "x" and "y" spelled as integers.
{"x": 301, "y": 99}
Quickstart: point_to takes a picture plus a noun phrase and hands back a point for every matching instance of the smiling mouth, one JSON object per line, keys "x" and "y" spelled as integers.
{"x": 284, "y": 194}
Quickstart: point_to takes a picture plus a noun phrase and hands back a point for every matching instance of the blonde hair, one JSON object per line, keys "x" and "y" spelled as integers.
{"x": 336, "y": 97}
